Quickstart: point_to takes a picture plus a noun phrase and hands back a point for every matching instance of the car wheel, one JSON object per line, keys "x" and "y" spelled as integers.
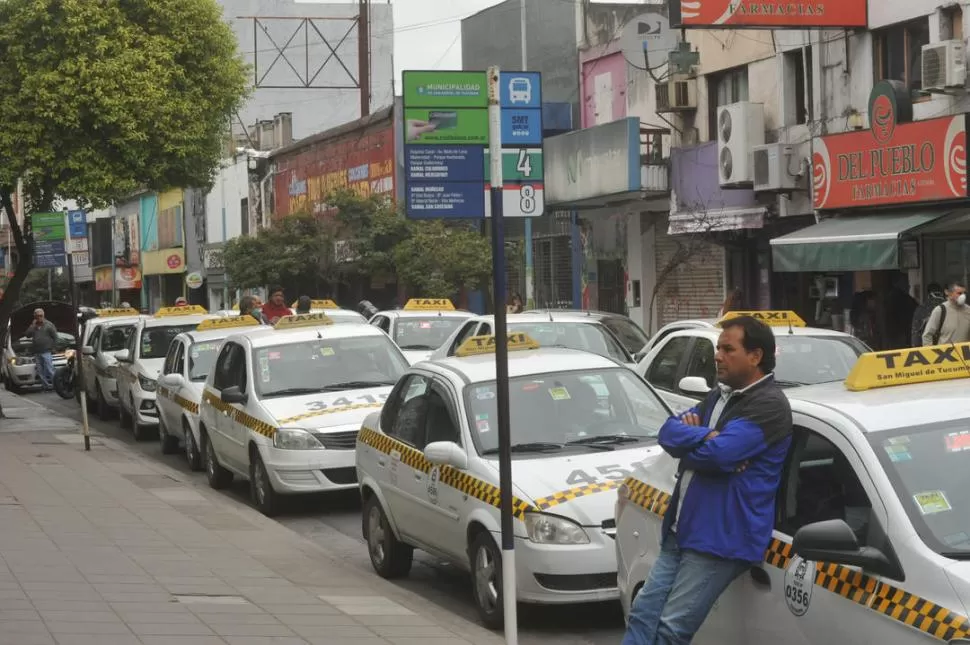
{"x": 140, "y": 432}
{"x": 390, "y": 557}
{"x": 218, "y": 476}
{"x": 170, "y": 444}
{"x": 486, "y": 566}
{"x": 266, "y": 499}
{"x": 192, "y": 453}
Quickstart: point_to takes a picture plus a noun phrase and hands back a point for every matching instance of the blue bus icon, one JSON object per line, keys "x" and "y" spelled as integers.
{"x": 520, "y": 90}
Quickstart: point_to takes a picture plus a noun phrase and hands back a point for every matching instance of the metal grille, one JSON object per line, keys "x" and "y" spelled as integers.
{"x": 552, "y": 259}
{"x": 694, "y": 287}
{"x": 346, "y": 440}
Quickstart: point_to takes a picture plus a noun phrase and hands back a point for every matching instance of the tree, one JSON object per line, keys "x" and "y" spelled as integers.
{"x": 45, "y": 284}
{"x": 440, "y": 259}
{"x": 372, "y": 228}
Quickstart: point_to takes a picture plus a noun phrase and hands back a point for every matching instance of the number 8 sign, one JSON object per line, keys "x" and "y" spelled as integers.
{"x": 521, "y": 200}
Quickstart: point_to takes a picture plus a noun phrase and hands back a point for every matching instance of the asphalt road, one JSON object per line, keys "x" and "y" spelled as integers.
{"x": 333, "y": 521}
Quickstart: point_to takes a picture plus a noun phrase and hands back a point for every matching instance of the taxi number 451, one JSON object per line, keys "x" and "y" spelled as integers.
{"x": 609, "y": 472}
{"x": 343, "y": 402}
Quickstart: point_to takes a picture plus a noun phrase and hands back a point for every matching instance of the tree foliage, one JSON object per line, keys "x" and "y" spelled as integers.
{"x": 439, "y": 259}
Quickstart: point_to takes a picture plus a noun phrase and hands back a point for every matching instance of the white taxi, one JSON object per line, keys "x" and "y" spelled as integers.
{"x": 140, "y": 362}
{"x": 282, "y": 405}
{"x": 680, "y": 366}
{"x": 422, "y": 326}
{"x": 329, "y": 307}
{"x": 188, "y": 362}
{"x": 872, "y": 533}
{"x": 429, "y": 476}
{"x": 102, "y": 337}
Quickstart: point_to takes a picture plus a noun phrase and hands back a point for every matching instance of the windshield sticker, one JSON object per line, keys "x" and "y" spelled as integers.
{"x": 425, "y": 325}
{"x": 485, "y": 395}
{"x": 481, "y": 423}
{"x": 931, "y": 502}
{"x": 559, "y": 394}
{"x": 898, "y": 453}
{"x": 531, "y": 387}
{"x": 957, "y": 539}
{"x": 898, "y": 440}
{"x": 958, "y": 441}
{"x": 274, "y": 356}
{"x": 799, "y": 582}
{"x": 327, "y": 351}
{"x": 264, "y": 369}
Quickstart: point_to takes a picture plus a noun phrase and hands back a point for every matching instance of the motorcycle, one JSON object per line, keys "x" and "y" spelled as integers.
{"x": 65, "y": 377}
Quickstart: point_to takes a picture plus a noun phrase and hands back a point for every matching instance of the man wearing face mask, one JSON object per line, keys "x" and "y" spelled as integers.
{"x": 950, "y": 322}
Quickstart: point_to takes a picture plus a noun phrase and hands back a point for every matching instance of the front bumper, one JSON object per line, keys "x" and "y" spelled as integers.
{"x": 109, "y": 389}
{"x": 145, "y": 413}
{"x": 559, "y": 574}
{"x": 26, "y": 375}
{"x": 309, "y": 471}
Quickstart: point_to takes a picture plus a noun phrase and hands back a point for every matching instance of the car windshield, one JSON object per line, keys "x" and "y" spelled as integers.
{"x": 807, "y": 360}
{"x": 155, "y": 340}
{"x": 201, "y": 357}
{"x": 424, "y": 333}
{"x": 584, "y": 336}
{"x": 568, "y": 410}
{"x": 628, "y": 333}
{"x": 115, "y": 338}
{"x": 929, "y": 468}
{"x": 327, "y": 364}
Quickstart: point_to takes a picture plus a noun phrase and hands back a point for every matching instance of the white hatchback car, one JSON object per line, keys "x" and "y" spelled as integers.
{"x": 421, "y": 327}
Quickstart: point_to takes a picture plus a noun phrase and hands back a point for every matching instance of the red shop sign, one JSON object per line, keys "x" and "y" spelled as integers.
{"x": 896, "y": 161}
{"x": 794, "y": 14}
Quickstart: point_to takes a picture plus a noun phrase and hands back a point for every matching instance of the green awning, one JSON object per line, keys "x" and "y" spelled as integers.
{"x": 852, "y": 243}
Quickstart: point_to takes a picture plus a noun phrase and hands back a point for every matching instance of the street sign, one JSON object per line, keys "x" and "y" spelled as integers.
{"x": 446, "y": 134}
{"x": 49, "y": 255}
{"x": 77, "y": 224}
{"x": 77, "y": 244}
{"x": 49, "y": 233}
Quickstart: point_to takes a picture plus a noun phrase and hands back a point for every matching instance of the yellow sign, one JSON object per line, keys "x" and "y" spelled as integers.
{"x": 319, "y": 304}
{"x": 235, "y": 307}
{"x": 770, "y": 318}
{"x": 184, "y": 310}
{"x": 429, "y": 304}
{"x": 227, "y": 323}
{"x": 905, "y": 366}
{"x": 117, "y": 311}
{"x": 303, "y": 320}
{"x": 477, "y": 345}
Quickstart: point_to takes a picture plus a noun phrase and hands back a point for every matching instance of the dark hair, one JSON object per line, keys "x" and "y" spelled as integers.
{"x": 757, "y": 335}
{"x": 276, "y": 289}
{"x": 953, "y": 284}
{"x": 246, "y": 304}
{"x": 303, "y": 304}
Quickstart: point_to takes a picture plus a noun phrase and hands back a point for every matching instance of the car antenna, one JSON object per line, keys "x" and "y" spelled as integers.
{"x": 791, "y": 332}
{"x": 550, "y": 317}
{"x": 319, "y": 335}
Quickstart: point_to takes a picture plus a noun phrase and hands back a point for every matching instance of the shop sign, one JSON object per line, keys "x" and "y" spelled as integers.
{"x": 895, "y": 161}
{"x": 193, "y": 280}
{"x": 127, "y": 278}
{"x": 164, "y": 261}
{"x": 792, "y": 14}
{"x": 102, "y": 279}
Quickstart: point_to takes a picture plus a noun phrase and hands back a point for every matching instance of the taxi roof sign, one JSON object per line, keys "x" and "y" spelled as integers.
{"x": 184, "y": 310}
{"x": 319, "y": 304}
{"x": 908, "y": 366}
{"x": 117, "y": 311}
{"x": 770, "y": 318}
{"x": 477, "y": 345}
{"x": 303, "y": 320}
{"x": 429, "y": 304}
{"x": 227, "y": 323}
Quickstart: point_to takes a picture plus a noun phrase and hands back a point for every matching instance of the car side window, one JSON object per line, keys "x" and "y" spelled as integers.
{"x": 702, "y": 362}
{"x": 407, "y": 422}
{"x": 484, "y": 330}
{"x": 222, "y": 374}
{"x": 133, "y": 343}
{"x": 440, "y": 423}
{"x": 628, "y": 333}
{"x": 466, "y": 332}
{"x": 663, "y": 370}
{"x": 95, "y": 338}
{"x": 382, "y": 323}
{"x": 171, "y": 358}
{"x": 238, "y": 367}
{"x": 180, "y": 359}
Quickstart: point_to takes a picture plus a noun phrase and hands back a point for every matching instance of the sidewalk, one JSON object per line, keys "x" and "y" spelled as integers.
{"x": 110, "y": 548}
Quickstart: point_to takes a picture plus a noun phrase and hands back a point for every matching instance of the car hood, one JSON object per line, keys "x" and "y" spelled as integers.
{"x": 581, "y": 486}
{"x": 151, "y": 367}
{"x": 417, "y": 355}
{"x": 326, "y": 409}
{"x": 61, "y": 314}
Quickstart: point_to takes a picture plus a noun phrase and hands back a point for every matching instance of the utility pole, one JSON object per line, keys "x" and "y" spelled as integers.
{"x": 363, "y": 55}
{"x": 529, "y": 272}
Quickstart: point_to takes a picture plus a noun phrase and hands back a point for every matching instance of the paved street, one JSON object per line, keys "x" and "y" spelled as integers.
{"x": 333, "y": 522}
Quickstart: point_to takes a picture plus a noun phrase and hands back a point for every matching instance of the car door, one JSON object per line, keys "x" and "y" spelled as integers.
{"x": 666, "y": 368}
{"x": 89, "y": 364}
{"x": 218, "y": 428}
{"x": 125, "y": 370}
{"x": 167, "y": 408}
{"x": 237, "y": 435}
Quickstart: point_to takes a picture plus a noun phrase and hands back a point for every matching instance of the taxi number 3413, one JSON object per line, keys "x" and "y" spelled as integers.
{"x": 343, "y": 402}
{"x": 611, "y": 472}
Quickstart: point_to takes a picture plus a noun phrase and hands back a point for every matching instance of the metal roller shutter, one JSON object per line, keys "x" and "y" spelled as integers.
{"x": 695, "y": 287}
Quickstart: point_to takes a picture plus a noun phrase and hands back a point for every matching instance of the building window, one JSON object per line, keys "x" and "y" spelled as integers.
{"x": 724, "y": 88}
{"x": 244, "y": 216}
{"x": 798, "y": 86}
{"x": 170, "y": 227}
{"x": 897, "y": 53}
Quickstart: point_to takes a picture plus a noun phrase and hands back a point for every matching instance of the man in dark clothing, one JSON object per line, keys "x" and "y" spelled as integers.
{"x": 44, "y": 336}
{"x": 304, "y": 304}
{"x": 732, "y": 448}
{"x": 934, "y": 298}
{"x": 276, "y": 307}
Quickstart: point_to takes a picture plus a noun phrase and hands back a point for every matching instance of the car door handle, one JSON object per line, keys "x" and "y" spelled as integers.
{"x": 381, "y": 461}
{"x": 419, "y": 476}
{"x": 760, "y": 577}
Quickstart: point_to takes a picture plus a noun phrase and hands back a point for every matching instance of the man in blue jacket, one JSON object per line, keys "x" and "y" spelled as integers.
{"x": 732, "y": 448}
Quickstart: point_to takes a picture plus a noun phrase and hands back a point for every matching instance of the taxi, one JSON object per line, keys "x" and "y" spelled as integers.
{"x": 141, "y": 360}
{"x": 102, "y": 337}
{"x": 428, "y": 468}
{"x": 282, "y": 405}
{"x": 872, "y": 534}
{"x": 188, "y": 362}
{"x": 422, "y": 326}
{"x": 329, "y": 307}
{"x": 680, "y": 366}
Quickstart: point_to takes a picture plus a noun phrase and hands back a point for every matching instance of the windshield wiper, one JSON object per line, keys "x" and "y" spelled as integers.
{"x": 417, "y": 348}
{"x": 956, "y": 555}
{"x": 605, "y": 440}
{"x": 353, "y": 385}
{"x": 535, "y": 446}
{"x": 788, "y": 383}
{"x": 293, "y": 391}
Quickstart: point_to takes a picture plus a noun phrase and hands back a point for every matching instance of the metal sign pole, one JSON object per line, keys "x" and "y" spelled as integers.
{"x": 78, "y": 354}
{"x": 501, "y": 358}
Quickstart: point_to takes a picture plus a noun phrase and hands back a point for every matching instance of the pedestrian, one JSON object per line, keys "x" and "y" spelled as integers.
{"x": 276, "y": 307}
{"x": 247, "y": 307}
{"x": 949, "y": 322}
{"x": 181, "y": 301}
{"x": 732, "y": 449}
{"x": 934, "y": 298}
{"x": 303, "y": 305}
{"x": 514, "y": 305}
{"x": 900, "y": 307}
{"x": 44, "y": 336}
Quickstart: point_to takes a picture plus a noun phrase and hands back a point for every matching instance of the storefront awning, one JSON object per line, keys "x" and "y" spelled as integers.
{"x": 855, "y": 243}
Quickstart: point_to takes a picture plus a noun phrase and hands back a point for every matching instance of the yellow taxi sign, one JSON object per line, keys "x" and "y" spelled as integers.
{"x": 227, "y": 323}
{"x": 303, "y": 320}
{"x": 907, "y": 366}
{"x": 429, "y": 304}
{"x": 235, "y": 307}
{"x": 319, "y": 304}
{"x": 184, "y": 310}
{"x": 477, "y": 345}
{"x": 770, "y": 318}
{"x": 117, "y": 311}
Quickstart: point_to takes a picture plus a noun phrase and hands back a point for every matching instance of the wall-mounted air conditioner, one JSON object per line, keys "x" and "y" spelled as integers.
{"x": 772, "y": 163}
{"x": 677, "y": 94}
{"x": 740, "y": 127}
{"x": 944, "y": 65}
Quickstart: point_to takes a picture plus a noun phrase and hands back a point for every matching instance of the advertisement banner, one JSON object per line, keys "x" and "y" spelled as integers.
{"x": 127, "y": 278}
{"x": 102, "y": 279}
{"x": 792, "y": 14}
{"x": 127, "y": 248}
{"x": 164, "y": 261}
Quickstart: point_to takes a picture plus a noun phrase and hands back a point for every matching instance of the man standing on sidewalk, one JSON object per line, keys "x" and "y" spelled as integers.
{"x": 950, "y": 322}
{"x": 732, "y": 448}
{"x": 44, "y": 336}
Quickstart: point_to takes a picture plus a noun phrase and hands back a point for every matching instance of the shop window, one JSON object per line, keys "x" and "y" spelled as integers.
{"x": 724, "y": 88}
{"x": 898, "y": 50}
{"x": 798, "y": 86}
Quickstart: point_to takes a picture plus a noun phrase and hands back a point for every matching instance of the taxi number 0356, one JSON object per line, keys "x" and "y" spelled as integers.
{"x": 343, "y": 402}
{"x": 610, "y": 472}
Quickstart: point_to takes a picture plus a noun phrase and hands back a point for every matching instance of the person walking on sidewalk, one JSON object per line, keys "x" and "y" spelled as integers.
{"x": 950, "y": 322}
{"x": 276, "y": 307}
{"x": 44, "y": 336}
{"x": 732, "y": 448}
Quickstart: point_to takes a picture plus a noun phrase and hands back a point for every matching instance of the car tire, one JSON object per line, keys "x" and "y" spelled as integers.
{"x": 265, "y": 499}
{"x": 390, "y": 557}
{"x": 139, "y": 431}
{"x": 218, "y": 476}
{"x": 486, "y": 568}
{"x": 192, "y": 454}
{"x": 170, "y": 443}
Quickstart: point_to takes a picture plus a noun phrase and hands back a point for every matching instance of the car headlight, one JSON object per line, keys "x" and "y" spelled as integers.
{"x": 552, "y": 529}
{"x": 146, "y": 383}
{"x": 23, "y": 360}
{"x": 295, "y": 439}
{"x": 68, "y": 354}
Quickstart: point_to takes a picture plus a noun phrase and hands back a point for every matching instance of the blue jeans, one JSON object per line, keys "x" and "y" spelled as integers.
{"x": 682, "y": 587}
{"x": 45, "y": 369}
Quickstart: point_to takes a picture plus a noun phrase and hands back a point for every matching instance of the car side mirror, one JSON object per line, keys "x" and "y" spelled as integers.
{"x": 173, "y": 381}
{"x": 834, "y": 541}
{"x": 694, "y": 385}
{"x": 233, "y": 394}
{"x": 87, "y": 350}
{"x": 446, "y": 453}
{"x": 124, "y": 356}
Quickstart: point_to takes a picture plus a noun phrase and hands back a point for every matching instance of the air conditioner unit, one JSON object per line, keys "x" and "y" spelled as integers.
{"x": 771, "y": 167}
{"x": 740, "y": 127}
{"x": 677, "y": 94}
{"x": 944, "y": 65}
